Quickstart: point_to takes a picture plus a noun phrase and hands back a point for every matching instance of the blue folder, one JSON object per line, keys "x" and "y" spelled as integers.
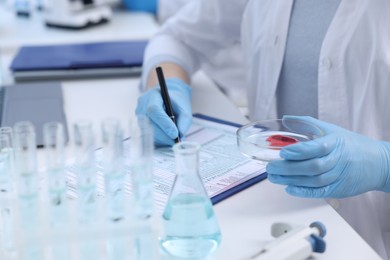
{"x": 242, "y": 186}
{"x": 71, "y": 60}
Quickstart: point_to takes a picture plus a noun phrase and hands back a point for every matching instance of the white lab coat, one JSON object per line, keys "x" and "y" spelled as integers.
{"x": 226, "y": 68}
{"x": 353, "y": 74}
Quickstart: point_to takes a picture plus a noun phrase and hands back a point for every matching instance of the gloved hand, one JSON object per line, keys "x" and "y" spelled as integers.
{"x": 339, "y": 164}
{"x": 151, "y": 104}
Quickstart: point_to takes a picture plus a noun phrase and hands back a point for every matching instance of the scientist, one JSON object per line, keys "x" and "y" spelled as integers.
{"x": 328, "y": 59}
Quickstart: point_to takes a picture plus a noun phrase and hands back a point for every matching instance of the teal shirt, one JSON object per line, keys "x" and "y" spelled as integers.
{"x": 297, "y": 91}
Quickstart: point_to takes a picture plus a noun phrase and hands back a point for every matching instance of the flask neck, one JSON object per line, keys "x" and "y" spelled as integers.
{"x": 186, "y": 158}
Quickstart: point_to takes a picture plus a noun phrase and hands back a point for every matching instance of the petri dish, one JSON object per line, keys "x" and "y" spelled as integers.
{"x": 263, "y": 140}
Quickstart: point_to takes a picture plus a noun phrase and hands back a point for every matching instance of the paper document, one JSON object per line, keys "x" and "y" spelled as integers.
{"x": 222, "y": 166}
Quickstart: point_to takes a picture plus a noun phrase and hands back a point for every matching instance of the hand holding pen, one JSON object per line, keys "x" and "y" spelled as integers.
{"x": 151, "y": 104}
{"x": 166, "y": 98}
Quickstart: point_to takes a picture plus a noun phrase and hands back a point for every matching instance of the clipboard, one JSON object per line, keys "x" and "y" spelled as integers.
{"x": 164, "y": 175}
{"x": 242, "y": 186}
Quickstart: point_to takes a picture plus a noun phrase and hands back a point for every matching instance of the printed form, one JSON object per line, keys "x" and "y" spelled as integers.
{"x": 222, "y": 166}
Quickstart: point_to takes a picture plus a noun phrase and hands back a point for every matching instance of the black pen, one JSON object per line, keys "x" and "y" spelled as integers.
{"x": 166, "y": 98}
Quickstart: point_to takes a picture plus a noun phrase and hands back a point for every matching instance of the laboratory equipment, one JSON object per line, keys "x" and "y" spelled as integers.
{"x": 54, "y": 142}
{"x": 6, "y": 189}
{"x": 86, "y": 186}
{"x": 6, "y": 164}
{"x": 145, "y": 242}
{"x": 76, "y": 14}
{"x": 191, "y": 229}
{"x": 26, "y": 160}
{"x": 85, "y": 170}
{"x": 141, "y": 156}
{"x": 141, "y": 5}
{"x": 263, "y": 140}
{"x": 22, "y": 7}
{"x": 112, "y": 162}
{"x": 26, "y": 173}
{"x": 54, "y": 139}
{"x": 293, "y": 242}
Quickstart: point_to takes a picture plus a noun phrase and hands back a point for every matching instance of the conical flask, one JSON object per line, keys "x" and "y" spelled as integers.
{"x": 191, "y": 229}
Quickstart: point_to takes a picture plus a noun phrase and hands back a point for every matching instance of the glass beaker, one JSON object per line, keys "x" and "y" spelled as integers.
{"x": 191, "y": 229}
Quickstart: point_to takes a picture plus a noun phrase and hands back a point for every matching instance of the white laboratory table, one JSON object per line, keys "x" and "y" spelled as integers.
{"x": 246, "y": 217}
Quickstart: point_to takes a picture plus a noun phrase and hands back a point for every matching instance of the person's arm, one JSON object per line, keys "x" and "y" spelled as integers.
{"x": 195, "y": 34}
{"x": 171, "y": 70}
{"x": 340, "y": 164}
{"x": 168, "y": 8}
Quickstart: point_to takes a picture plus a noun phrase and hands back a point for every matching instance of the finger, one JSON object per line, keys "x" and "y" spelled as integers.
{"x": 184, "y": 121}
{"x": 161, "y": 139}
{"x": 317, "y": 181}
{"x": 312, "y": 149}
{"x": 311, "y": 167}
{"x": 303, "y": 192}
{"x": 160, "y": 118}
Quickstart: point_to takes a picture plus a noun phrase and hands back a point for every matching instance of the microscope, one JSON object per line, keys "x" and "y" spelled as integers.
{"x": 76, "y": 14}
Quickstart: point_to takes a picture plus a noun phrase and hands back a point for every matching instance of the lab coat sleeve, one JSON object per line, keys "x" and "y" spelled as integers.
{"x": 195, "y": 34}
{"x": 168, "y": 8}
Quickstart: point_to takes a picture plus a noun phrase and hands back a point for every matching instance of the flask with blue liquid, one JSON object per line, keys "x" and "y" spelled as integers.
{"x": 191, "y": 229}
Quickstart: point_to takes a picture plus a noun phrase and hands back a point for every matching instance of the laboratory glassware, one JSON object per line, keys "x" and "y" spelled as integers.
{"x": 6, "y": 189}
{"x": 26, "y": 159}
{"x": 26, "y": 172}
{"x": 54, "y": 140}
{"x": 113, "y": 168}
{"x": 191, "y": 229}
{"x": 86, "y": 171}
{"x": 263, "y": 140}
{"x": 141, "y": 156}
{"x": 6, "y": 163}
{"x": 84, "y": 151}
{"x": 141, "y": 159}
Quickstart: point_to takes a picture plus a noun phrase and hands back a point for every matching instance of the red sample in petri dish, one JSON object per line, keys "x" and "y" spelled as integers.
{"x": 281, "y": 140}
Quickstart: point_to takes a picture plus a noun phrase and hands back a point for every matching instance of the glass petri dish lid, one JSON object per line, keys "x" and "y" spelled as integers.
{"x": 263, "y": 140}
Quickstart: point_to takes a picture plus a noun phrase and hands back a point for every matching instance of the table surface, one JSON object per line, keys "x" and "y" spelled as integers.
{"x": 246, "y": 217}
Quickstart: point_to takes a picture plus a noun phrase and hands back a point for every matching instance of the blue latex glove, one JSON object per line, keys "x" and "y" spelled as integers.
{"x": 152, "y": 105}
{"x": 339, "y": 164}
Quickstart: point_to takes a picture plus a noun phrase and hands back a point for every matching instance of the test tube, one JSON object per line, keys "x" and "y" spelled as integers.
{"x": 141, "y": 155}
{"x": 141, "y": 160}
{"x": 54, "y": 140}
{"x": 8, "y": 131}
{"x": 26, "y": 160}
{"x": 53, "y": 134}
{"x": 6, "y": 214}
{"x": 86, "y": 188}
{"x": 6, "y": 163}
{"x": 28, "y": 188}
{"x": 113, "y": 168}
{"x": 86, "y": 170}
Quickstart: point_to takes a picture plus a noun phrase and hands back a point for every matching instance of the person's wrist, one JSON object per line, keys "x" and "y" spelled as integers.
{"x": 179, "y": 85}
{"x": 385, "y": 171}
